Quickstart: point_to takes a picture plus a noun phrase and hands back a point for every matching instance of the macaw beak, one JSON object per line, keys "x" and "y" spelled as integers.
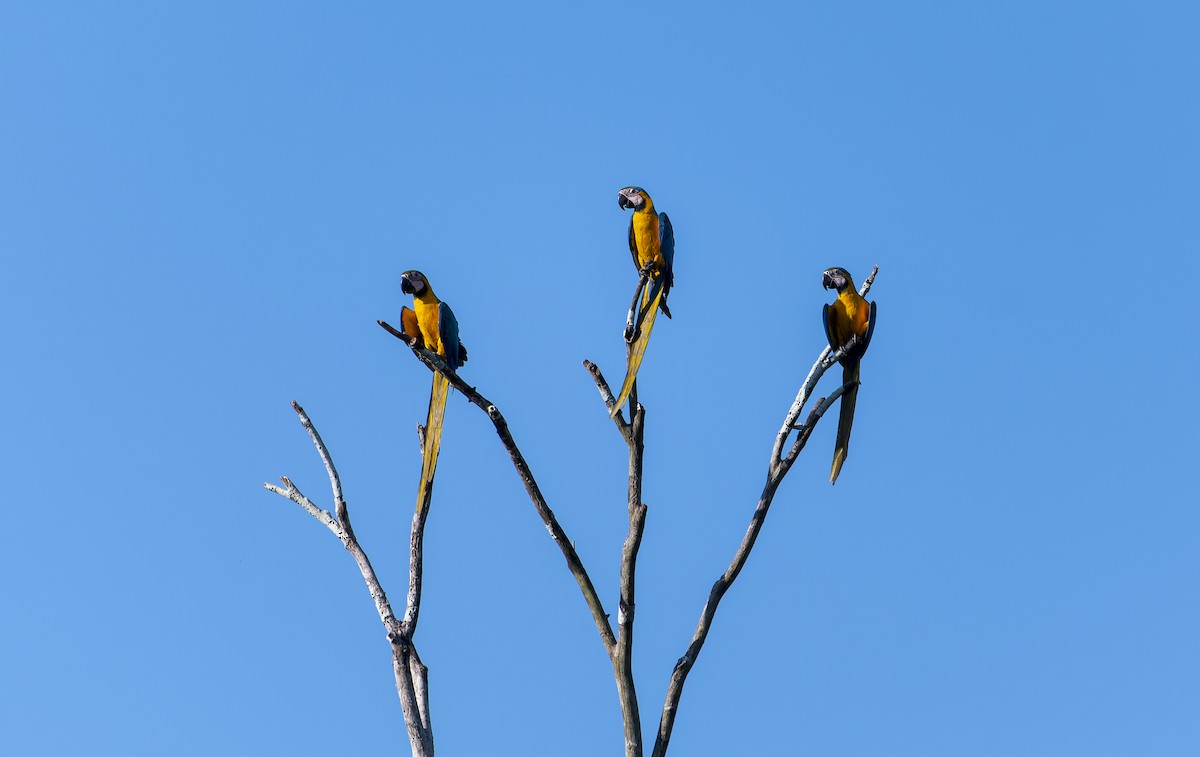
{"x": 407, "y": 287}
{"x": 832, "y": 281}
{"x": 623, "y": 202}
{"x": 627, "y": 198}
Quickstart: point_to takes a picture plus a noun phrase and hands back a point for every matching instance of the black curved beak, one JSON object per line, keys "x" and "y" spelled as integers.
{"x": 623, "y": 202}
{"x": 407, "y": 287}
{"x": 832, "y": 281}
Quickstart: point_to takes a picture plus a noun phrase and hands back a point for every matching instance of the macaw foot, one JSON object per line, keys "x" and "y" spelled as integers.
{"x": 631, "y": 333}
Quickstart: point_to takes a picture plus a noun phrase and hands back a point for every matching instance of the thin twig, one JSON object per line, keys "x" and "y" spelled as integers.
{"x": 607, "y": 396}
{"x": 435, "y": 363}
{"x": 633, "y": 321}
{"x": 824, "y": 403}
{"x": 295, "y": 495}
{"x": 866, "y": 285}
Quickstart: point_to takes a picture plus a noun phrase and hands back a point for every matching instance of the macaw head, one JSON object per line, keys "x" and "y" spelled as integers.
{"x": 634, "y": 197}
{"x": 413, "y": 282}
{"x": 836, "y": 278}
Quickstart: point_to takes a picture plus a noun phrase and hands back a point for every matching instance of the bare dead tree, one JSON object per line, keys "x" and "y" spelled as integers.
{"x": 412, "y": 676}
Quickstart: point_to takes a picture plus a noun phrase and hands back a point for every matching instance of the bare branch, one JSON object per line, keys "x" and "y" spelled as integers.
{"x": 806, "y": 389}
{"x": 413, "y": 697}
{"x": 633, "y": 435}
{"x": 416, "y": 562}
{"x": 778, "y": 468}
{"x": 340, "y": 528}
{"x": 435, "y": 363}
{"x": 574, "y": 564}
{"x": 420, "y": 679}
{"x": 866, "y": 285}
{"x": 633, "y": 321}
{"x": 684, "y": 665}
{"x": 623, "y": 665}
{"x": 295, "y": 495}
{"x": 824, "y": 403}
{"x": 334, "y": 482}
{"x": 416, "y": 552}
{"x": 419, "y": 737}
{"x": 607, "y": 396}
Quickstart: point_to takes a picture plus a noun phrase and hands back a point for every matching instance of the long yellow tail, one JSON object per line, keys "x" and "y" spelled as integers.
{"x": 845, "y": 419}
{"x": 638, "y": 349}
{"x": 433, "y": 435}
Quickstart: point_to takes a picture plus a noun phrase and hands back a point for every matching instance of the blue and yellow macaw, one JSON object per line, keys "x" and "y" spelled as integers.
{"x": 850, "y": 315}
{"x": 432, "y": 324}
{"x": 652, "y": 243}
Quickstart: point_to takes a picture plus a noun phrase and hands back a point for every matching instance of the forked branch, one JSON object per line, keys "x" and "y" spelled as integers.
{"x": 411, "y": 675}
{"x": 778, "y": 468}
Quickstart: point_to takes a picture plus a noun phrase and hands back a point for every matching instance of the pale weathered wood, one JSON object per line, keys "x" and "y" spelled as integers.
{"x": 411, "y": 676}
{"x": 633, "y": 434}
{"x": 776, "y": 470}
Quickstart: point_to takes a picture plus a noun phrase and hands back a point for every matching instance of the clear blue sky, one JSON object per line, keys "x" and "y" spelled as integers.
{"x": 205, "y": 206}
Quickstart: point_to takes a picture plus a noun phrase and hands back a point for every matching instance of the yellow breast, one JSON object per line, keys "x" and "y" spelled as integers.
{"x": 427, "y": 319}
{"x": 853, "y": 314}
{"x": 645, "y": 233}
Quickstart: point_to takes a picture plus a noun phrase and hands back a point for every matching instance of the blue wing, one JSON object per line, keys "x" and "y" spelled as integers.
{"x": 870, "y": 329}
{"x": 448, "y": 331}
{"x": 827, "y": 320}
{"x": 666, "y": 245}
